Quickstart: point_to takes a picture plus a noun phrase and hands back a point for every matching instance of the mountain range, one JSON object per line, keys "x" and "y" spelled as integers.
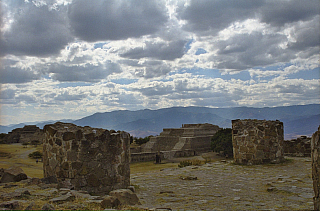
{"x": 298, "y": 119}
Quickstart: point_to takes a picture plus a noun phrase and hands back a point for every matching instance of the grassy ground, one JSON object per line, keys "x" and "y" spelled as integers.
{"x": 17, "y": 155}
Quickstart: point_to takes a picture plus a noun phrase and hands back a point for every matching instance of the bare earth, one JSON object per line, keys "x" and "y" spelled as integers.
{"x": 225, "y": 186}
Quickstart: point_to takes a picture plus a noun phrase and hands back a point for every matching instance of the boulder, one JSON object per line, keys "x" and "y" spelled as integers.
{"x": 13, "y": 174}
{"x": 12, "y": 205}
{"x": 47, "y": 207}
{"x": 110, "y": 202}
{"x": 49, "y": 180}
{"x": 63, "y": 198}
{"x": 125, "y": 196}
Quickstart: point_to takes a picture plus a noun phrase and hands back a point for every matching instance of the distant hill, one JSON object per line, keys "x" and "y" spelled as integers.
{"x": 298, "y": 120}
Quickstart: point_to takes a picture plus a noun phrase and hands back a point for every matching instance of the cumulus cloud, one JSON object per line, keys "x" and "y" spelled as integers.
{"x": 36, "y": 31}
{"x": 278, "y": 13}
{"x": 212, "y": 16}
{"x": 11, "y": 72}
{"x": 115, "y": 19}
{"x": 85, "y": 73}
{"x": 157, "y": 50}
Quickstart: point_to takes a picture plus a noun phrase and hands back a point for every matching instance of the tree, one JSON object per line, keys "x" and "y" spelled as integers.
{"x": 141, "y": 141}
{"x": 222, "y": 141}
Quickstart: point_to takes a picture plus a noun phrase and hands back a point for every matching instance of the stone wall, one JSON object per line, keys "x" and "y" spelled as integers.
{"x": 300, "y": 147}
{"x": 315, "y": 155}
{"x": 86, "y": 158}
{"x": 257, "y": 141}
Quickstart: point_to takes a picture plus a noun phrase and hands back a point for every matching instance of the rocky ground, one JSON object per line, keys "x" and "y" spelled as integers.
{"x": 218, "y": 185}
{"x": 225, "y": 186}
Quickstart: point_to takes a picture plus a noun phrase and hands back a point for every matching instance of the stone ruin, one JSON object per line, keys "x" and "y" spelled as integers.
{"x": 28, "y": 134}
{"x": 315, "y": 157}
{"x": 257, "y": 141}
{"x": 189, "y": 140}
{"x": 300, "y": 147}
{"x": 85, "y": 158}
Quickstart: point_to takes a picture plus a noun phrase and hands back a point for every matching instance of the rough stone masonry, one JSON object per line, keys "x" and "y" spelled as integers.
{"x": 315, "y": 155}
{"x": 85, "y": 158}
{"x": 257, "y": 141}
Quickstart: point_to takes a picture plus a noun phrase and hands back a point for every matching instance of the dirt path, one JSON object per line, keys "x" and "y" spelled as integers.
{"x": 25, "y": 154}
{"x": 225, "y": 186}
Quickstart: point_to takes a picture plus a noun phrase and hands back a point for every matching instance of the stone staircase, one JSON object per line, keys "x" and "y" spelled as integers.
{"x": 180, "y": 144}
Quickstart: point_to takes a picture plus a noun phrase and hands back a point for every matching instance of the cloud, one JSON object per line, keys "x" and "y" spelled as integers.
{"x": 36, "y": 31}
{"x": 152, "y": 68}
{"x": 66, "y": 96}
{"x": 115, "y": 19}
{"x": 157, "y": 50}
{"x": 279, "y": 13}
{"x": 86, "y": 73}
{"x": 212, "y": 16}
{"x": 244, "y": 51}
{"x": 13, "y": 74}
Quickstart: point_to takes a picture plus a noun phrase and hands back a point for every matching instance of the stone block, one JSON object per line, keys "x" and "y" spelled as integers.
{"x": 78, "y": 162}
{"x": 262, "y": 138}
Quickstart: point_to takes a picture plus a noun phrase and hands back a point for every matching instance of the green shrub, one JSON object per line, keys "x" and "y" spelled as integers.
{"x": 185, "y": 163}
{"x": 141, "y": 141}
{"x": 222, "y": 141}
{"x": 35, "y": 155}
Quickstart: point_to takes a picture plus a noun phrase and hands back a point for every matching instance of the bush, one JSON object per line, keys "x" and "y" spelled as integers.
{"x": 35, "y": 155}
{"x": 141, "y": 141}
{"x": 190, "y": 163}
{"x": 222, "y": 141}
{"x": 185, "y": 163}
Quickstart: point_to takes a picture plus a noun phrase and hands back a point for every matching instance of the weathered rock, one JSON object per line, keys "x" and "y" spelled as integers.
{"x": 110, "y": 202}
{"x": 315, "y": 155}
{"x": 49, "y": 180}
{"x": 85, "y": 158}
{"x": 1, "y": 172}
{"x": 47, "y": 207}
{"x": 12, "y": 205}
{"x": 19, "y": 193}
{"x": 13, "y": 174}
{"x": 30, "y": 206}
{"x": 188, "y": 178}
{"x": 63, "y": 198}
{"x": 125, "y": 196}
{"x": 257, "y": 141}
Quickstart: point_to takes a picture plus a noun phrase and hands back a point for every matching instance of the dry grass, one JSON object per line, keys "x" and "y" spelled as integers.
{"x": 150, "y": 166}
{"x": 18, "y": 157}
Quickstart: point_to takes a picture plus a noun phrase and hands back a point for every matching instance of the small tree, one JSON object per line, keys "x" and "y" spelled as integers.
{"x": 141, "y": 141}
{"x": 36, "y": 155}
{"x": 222, "y": 141}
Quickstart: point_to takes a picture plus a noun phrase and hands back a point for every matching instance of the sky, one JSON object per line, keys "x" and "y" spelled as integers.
{"x": 67, "y": 59}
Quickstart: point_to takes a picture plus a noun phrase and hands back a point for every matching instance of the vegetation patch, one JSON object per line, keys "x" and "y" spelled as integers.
{"x": 36, "y": 155}
{"x": 222, "y": 141}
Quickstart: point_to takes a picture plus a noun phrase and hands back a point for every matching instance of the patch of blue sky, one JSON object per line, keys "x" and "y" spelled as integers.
{"x": 306, "y": 74}
{"x": 99, "y": 45}
{"x": 188, "y": 45}
{"x": 124, "y": 81}
{"x": 73, "y": 84}
{"x": 200, "y": 51}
